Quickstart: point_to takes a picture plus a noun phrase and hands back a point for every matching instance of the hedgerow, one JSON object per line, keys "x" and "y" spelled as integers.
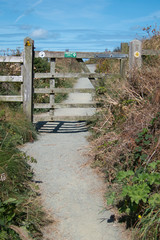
{"x": 125, "y": 144}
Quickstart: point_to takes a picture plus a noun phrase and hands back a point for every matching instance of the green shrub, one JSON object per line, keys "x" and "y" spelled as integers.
{"x": 18, "y": 204}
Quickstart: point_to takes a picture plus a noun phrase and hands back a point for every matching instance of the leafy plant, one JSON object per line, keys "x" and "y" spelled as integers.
{"x": 138, "y": 189}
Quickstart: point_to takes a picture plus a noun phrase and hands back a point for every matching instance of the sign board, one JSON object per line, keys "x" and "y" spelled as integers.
{"x": 41, "y": 54}
{"x": 70, "y": 54}
{"x": 137, "y": 54}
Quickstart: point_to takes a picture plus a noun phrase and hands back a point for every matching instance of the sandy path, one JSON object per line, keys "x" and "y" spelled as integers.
{"x": 71, "y": 190}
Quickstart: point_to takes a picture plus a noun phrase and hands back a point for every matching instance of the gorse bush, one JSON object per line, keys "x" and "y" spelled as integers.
{"x": 125, "y": 143}
{"x": 41, "y": 65}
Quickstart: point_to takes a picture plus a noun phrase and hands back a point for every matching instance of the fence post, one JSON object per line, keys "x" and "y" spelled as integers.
{"x": 135, "y": 54}
{"x": 124, "y": 50}
{"x": 28, "y": 78}
{"x": 52, "y": 86}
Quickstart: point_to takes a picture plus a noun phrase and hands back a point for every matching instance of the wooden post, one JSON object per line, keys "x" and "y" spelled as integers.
{"x": 28, "y": 78}
{"x": 124, "y": 50}
{"x": 122, "y": 67}
{"x": 52, "y": 86}
{"x": 135, "y": 54}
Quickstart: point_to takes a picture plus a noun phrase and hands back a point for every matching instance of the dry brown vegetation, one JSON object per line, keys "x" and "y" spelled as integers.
{"x": 125, "y": 113}
{"x": 129, "y": 106}
{"x": 126, "y": 131}
{"x": 67, "y": 65}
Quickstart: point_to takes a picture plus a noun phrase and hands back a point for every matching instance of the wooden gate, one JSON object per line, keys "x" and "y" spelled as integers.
{"x": 27, "y": 77}
{"x": 52, "y": 90}
{"x": 52, "y": 75}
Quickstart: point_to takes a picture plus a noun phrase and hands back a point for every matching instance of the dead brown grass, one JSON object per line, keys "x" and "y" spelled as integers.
{"x": 129, "y": 107}
{"x": 67, "y": 65}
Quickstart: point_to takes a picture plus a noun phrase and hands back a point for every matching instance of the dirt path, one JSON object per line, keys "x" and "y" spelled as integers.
{"x": 71, "y": 190}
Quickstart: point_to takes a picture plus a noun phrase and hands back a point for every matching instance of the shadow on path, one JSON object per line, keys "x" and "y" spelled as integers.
{"x": 62, "y": 127}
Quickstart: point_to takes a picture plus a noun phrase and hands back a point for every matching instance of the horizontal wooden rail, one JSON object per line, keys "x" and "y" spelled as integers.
{"x": 64, "y": 90}
{"x": 84, "y": 55}
{"x": 70, "y": 75}
{"x": 79, "y": 75}
{"x": 74, "y": 105}
{"x": 151, "y": 52}
{"x": 51, "y": 54}
{"x": 42, "y": 105}
{"x": 43, "y": 75}
{"x": 64, "y": 105}
{"x": 111, "y": 55}
{"x": 11, "y": 59}
{"x": 11, "y": 79}
{"x": 11, "y": 98}
{"x": 38, "y": 118}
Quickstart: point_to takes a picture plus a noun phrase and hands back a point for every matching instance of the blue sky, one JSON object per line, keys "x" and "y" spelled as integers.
{"x": 77, "y": 25}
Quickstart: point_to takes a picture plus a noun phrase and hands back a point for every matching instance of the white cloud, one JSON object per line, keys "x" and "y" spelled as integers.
{"x": 21, "y": 16}
{"x": 151, "y": 17}
{"x": 37, "y": 3}
{"x": 39, "y": 34}
{"x": 29, "y": 10}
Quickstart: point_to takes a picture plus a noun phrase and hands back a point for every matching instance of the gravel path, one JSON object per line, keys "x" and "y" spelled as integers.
{"x": 78, "y": 98}
{"x": 71, "y": 190}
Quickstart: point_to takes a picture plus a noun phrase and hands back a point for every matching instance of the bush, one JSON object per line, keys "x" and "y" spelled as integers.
{"x": 20, "y": 212}
{"x": 125, "y": 144}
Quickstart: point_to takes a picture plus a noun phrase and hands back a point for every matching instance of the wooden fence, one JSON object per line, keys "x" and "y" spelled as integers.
{"x": 26, "y": 78}
{"x": 12, "y": 59}
{"x": 27, "y": 75}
